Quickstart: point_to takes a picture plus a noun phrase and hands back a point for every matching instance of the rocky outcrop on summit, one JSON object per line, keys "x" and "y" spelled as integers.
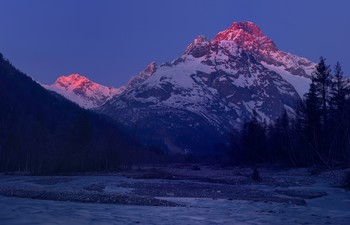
{"x": 144, "y": 75}
{"x": 82, "y": 91}
{"x": 211, "y": 89}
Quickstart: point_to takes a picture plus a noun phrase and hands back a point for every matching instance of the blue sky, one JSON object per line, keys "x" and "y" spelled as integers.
{"x": 111, "y": 40}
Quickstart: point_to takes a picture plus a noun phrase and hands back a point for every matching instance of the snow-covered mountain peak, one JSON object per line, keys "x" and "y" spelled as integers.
{"x": 238, "y": 29}
{"x": 73, "y": 79}
{"x": 246, "y": 35}
{"x": 214, "y": 87}
{"x": 248, "y": 27}
{"x": 83, "y": 91}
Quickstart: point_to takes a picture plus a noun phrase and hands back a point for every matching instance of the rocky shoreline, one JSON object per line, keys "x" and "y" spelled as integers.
{"x": 84, "y": 197}
{"x": 146, "y": 186}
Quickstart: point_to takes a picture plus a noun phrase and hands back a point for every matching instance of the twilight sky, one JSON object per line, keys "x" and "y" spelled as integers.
{"x": 111, "y": 40}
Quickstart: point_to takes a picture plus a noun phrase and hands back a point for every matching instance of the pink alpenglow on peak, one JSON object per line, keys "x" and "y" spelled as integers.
{"x": 73, "y": 79}
{"x": 242, "y": 35}
{"x": 248, "y": 27}
{"x": 83, "y": 91}
{"x": 247, "y": 35}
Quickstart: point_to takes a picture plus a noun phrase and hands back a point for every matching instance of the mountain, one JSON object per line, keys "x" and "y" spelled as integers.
{"x": 43, "y": 133}
{"x": 83, "y": 91}
{"x": 88, "y": 94}
{"x": 193, "y": 102}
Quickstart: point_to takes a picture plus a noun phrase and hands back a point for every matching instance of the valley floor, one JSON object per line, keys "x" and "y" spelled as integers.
{"x": 176, "y": 195}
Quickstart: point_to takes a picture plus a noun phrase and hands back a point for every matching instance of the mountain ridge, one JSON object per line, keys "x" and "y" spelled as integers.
{"x": 212, "y": 88}
{"x": 244, "y": 34}
{"x": 219, "y": 84}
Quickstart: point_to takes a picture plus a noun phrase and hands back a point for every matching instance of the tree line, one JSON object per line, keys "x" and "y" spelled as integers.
{"x": 318, "y": 134}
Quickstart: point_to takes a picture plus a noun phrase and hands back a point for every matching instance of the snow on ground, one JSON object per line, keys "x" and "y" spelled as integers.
{"x": 214, "y": 206}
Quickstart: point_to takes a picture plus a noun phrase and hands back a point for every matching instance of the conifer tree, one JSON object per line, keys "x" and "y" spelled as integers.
{"x": 322, "y": 81}
{"x": 312, "y": 121}
{"x": 338, "y": 126}
{"x": 338, "y": 89}
{"x": 253, "y": 139}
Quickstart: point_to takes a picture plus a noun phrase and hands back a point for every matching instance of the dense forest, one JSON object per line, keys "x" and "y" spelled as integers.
{"x": 318, "y": 135}
{"x": 43, "y": 133}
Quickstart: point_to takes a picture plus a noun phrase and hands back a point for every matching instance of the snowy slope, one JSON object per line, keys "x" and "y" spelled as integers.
{"x": 300, "y": 83}
{"x": 82, "y": 91}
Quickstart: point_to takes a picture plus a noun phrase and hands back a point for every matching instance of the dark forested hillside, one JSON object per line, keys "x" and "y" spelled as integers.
{"x": 41, "y": 132}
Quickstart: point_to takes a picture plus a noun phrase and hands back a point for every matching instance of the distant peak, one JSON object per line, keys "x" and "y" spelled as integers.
{"x": 83, "y": 91}
{"x": 73, "y": 76}
{"x": 71, "y": 79}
